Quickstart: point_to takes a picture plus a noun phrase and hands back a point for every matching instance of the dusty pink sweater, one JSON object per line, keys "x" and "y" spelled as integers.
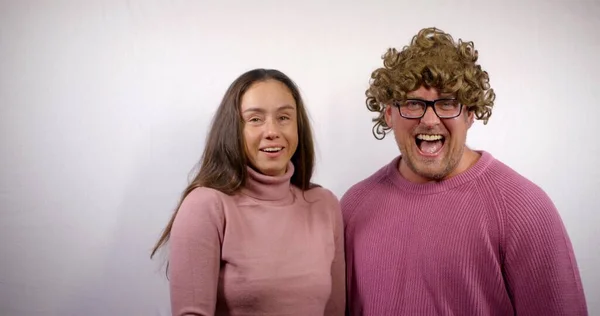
{"x": 486, "y": 242}
{"x": 266, "y": 251}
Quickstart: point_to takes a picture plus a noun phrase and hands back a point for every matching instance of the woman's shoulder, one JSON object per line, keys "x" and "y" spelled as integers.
{"x": 205, "y": 194}
{"x": 323, "y": 200}
{"x": 204, "y": 197}
{"x": 201, "y": 206}
{"x": 320, "y": 193}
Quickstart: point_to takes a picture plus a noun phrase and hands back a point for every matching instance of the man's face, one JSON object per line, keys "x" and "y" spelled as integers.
{"x": 432, "y": 148}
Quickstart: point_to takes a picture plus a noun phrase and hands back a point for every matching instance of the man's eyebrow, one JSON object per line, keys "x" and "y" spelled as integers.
{"x": 260, "y": 110}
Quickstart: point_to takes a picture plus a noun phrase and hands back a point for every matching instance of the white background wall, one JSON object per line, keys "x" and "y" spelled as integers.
{"x": 104, "y": 107}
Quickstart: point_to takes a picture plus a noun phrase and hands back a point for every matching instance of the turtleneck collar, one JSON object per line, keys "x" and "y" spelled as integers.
{"x": 269, "y": 188}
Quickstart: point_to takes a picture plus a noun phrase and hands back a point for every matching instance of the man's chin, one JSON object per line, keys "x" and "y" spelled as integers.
{"x": 433, "y": 176}
{"x": 433, "y": 170}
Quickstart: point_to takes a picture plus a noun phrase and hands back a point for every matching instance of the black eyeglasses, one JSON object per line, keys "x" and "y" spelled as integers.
{"x": 416, "y": 108}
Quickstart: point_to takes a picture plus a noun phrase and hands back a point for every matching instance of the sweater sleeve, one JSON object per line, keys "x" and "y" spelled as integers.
{"x": 195, "y": 250}
{"x": 337, "y": 302}
{"x": 541, "y": 271}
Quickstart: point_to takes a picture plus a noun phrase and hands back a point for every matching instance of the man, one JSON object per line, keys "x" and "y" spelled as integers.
{"x": 444, "y": 229}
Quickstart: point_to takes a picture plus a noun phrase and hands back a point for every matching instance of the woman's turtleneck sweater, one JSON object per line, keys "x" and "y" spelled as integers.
{"x": 271, "y": 249}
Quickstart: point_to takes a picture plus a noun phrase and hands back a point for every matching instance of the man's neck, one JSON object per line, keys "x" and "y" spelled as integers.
{"x": 468, "y": 159}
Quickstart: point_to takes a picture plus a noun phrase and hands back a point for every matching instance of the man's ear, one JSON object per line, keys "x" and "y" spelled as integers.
{"x": 470, "y": 118}
{"x": 387, "y": 112}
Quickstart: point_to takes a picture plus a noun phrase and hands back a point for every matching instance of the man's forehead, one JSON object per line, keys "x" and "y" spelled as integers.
{"x": 428, "y": 92}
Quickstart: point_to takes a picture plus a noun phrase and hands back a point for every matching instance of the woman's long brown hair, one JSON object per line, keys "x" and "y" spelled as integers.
{"x": 223, "y": 163}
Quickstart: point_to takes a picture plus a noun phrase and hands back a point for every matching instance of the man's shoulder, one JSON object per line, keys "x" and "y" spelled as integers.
{"x": 512, "y": 181}
{"x": 517, "y": 191}
{"x": 367, "y": 184}
{"x": 528, "y": 211}
{"x": 362, "y": 189}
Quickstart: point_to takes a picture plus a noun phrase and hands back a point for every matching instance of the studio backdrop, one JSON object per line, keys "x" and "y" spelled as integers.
{"x": 105, "y": 105}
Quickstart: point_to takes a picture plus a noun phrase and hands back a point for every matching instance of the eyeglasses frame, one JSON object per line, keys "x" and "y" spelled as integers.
{"x": 428, "y": 104}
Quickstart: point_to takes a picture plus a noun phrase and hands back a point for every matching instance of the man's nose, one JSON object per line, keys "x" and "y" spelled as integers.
{"x": 430, "y": 118}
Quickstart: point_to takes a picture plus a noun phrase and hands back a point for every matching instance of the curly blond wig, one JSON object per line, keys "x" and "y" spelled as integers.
{"x": 433, "y": 59}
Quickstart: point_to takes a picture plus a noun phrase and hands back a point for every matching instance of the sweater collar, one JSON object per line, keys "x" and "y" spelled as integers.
{"x": 438, "y": 186}
{"x": 269, "y": 188}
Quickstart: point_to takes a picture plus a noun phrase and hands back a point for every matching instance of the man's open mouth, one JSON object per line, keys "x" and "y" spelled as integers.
{"x": 430, "y": 143}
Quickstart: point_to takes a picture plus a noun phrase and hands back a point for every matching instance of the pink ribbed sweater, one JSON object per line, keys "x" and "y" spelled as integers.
{"x": 485, "y": 242}
{"x": 270, "y": 250}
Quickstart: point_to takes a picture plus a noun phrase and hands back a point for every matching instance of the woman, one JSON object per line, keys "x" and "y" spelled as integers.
{"x": 252, "y": 235}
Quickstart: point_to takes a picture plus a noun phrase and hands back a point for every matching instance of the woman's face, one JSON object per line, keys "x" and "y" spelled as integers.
{"x": 270, "y": 126}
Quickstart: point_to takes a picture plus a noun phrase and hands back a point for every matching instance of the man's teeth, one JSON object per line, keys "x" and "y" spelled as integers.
{"x": 272, "y": 149}
{"x": 429, "y": 137}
